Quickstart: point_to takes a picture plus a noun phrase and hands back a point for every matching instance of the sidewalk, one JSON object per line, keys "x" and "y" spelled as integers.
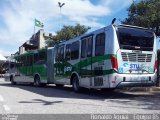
{"x": 155, "y": 88}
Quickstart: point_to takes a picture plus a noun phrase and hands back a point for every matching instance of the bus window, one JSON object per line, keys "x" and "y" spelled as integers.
{"x": 68, "y": 52}
{"x": 40, "y": 62}
{"x": 61, "y": 55}
{"x": 75, "y": 50}
{"x": 100, "y": 44}
{"x": 131, "y": 37}
{"x": 35, "y": 57}
{"x": 42, "y": 55}
{"x": 83, "y": 49}
{"x": 18, "y": 62}
{"x": 12, "y": 65}
{"x": 57, "y": 54}
{"x": 86, "y": 48}
{"x": 22, "y": 60}
{"x": 28, "y": 60}
{"x": 89, "y": 45}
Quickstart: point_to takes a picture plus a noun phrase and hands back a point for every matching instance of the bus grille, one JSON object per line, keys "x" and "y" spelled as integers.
{"x": 136, "y": 57}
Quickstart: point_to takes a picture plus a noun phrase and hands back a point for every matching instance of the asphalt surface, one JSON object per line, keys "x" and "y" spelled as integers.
{"x": 27, "y": 99}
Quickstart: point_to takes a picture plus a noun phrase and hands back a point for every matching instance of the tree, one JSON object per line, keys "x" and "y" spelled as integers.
{"x": 66, "y": 33}
{"x": 146, "y": 13}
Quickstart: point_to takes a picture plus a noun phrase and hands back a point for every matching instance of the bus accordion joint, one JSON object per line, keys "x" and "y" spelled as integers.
{"x": 114, "y": 63}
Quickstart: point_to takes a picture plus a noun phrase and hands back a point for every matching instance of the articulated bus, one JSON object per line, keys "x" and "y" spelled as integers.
{"x": 115, "y": 56}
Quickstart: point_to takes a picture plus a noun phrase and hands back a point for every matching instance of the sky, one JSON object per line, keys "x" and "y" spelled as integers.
{"x": 17, "y": 17}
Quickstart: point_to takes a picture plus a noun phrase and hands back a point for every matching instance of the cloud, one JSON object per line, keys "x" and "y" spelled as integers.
{"x": 4, "y": 52}
{"x": 117, "y": 5}
{"x": 18, "y": 17}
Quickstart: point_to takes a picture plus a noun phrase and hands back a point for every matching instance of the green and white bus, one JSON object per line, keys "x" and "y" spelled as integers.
{"x": 111, "y": 57}
{"x": 30, "y": 67}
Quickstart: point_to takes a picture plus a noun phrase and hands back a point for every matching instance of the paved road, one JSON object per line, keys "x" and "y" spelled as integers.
{"x": 28, "y": 99}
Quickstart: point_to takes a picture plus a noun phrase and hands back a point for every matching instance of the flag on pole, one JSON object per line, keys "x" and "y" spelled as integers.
{"x": 38, "y": 23}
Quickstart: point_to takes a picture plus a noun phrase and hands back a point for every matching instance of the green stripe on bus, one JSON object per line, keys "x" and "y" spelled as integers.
{"x": 92, "y": 60}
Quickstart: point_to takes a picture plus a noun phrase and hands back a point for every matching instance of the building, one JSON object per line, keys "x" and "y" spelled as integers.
{"x": 37, "y": 41}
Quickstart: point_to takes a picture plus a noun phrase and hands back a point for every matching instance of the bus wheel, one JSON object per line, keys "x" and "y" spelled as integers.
{"x": 37, "y": 81}
{"x": 12, "y": 81}
{"x": 75, "y": 84}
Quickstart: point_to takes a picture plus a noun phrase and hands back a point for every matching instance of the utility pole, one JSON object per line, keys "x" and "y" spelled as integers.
{"x": 60, "y": 6}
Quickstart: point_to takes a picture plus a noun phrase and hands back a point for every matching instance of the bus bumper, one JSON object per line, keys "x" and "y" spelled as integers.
{"x": 135, "y": 84}
{"x": 132, "y": 80}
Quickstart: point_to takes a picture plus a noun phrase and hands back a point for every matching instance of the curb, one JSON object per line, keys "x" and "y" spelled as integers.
{"x": 155, "y": 88}
{"x": 142, "y": 89}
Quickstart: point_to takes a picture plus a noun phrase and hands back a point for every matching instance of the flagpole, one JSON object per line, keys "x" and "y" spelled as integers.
{"x": 34, "y": 31}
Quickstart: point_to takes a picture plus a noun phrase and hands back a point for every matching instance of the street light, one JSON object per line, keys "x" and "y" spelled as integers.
{"x": 60, "y": 6}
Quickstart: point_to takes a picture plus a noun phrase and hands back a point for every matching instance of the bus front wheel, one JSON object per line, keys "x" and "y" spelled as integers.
{"x": 75, "y": 84}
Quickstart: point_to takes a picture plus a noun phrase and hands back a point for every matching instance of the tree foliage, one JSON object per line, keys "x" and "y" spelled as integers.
{"x": 67, "y": 32}
{"x": 146, "y": 13}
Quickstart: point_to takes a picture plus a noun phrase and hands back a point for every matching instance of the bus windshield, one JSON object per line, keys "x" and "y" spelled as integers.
{"x": 135, "y": 39}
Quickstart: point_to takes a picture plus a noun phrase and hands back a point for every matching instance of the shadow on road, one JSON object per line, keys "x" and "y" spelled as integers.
{"x": 41, "y": 101}
{"x": 64, "y": 92}
{"x": 150, "y": 101}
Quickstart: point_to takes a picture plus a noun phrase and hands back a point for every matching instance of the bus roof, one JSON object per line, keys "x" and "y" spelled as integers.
{"x": 131, "y": 26}
{"x": 84, "y": 35}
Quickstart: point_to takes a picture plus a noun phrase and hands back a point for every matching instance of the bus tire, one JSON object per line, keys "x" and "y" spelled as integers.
{"x": 12, "y": 80}
{"x": 37, "y": 81}
{"x": 75, "y": 84}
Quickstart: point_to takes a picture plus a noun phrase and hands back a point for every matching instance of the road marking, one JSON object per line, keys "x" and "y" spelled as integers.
{"x": 6, "y": 107}
{"x": 1, "y": 99}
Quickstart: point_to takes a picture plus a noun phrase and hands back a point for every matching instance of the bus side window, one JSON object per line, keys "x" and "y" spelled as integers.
{"x": 31, "y": 59}
{"x": 23, "y": 60}
{"x": 86, "y": 47}
{"x": 35, "y": 57}
{"x": 83, "y": 48}
{"x": 17, "y": 62}
{"x": 42, "y": 55}
{"x": 89, "y": 47}
{"x": 100, "y": 44}
{"x": 68, "y": 52}
{"x": 57, "y": 54}
{"x": 28, "y": 60}
{"x": 75, "y": 50}
{"x": 11, "y": 65}
{"x": 61, "y": 54}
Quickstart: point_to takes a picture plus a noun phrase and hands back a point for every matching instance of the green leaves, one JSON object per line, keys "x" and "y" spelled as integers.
{"x": 146, "y": 13}
{"x": 67, "y": 32}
